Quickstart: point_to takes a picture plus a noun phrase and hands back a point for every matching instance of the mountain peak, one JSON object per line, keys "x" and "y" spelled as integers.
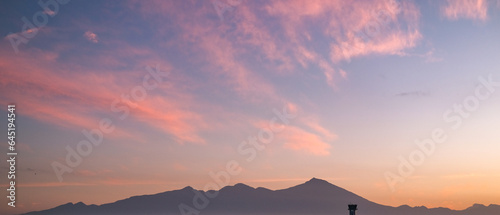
{"x": 187, "y": 188}
{"x": 239, "y": 187}
{"x": 242, "y": 186}
{"x": 80, "y": 204}
{"x": 317, "y": 181}
{"x": 478, "y": 206}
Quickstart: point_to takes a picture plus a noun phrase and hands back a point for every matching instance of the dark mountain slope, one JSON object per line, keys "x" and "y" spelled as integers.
{"x": 316, "y": 196}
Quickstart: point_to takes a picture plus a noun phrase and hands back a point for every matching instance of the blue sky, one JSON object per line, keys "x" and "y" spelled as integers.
{"x": 360, "y": 80}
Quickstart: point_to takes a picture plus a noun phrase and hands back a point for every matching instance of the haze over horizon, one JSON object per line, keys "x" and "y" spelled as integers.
{"x": 394, "y": 100}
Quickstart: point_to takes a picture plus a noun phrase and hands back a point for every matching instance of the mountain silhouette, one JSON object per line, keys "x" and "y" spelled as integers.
{"x": 315, "y": 196}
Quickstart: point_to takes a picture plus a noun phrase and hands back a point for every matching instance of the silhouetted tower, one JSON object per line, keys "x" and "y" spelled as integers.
{"x": 352, "y": 209}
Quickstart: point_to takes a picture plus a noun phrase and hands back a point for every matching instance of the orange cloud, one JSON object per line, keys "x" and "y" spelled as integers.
{"x": 315, "y": 126}
{"x": 172, "y": 117}
{"x": 303, "y": 135}
{"x": 303, "y": 132}
{"x": 469, "y": 9}
{"x": 300, "y": 140}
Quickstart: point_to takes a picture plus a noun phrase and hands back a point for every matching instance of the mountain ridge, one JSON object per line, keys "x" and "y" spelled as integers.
{"x": 315, "y": 196}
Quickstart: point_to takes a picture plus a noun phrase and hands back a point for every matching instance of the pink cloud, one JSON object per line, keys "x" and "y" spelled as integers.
{"x": 174, "y": 113}
{"x": 49, "y": 12}
{"x": 299, "y": 140}
{"x": 279, "y": 34}
{"x": 393, "y": 44}
{"x": 277, "y": 55}
{"x": 303, "y": 134}
{"x": 172, "y": 117}
{"x": 315, "y": 126}
{"x": 223, "y": 51}
{"x": 222, "y": 54}
{"x": 262, "y": 38}
{"x": 90, "y": 36}
{"x": 46, "y": 90}
{"x": 346, "y": 21}
{"x": 469, "y": 9}
{"x": 308, "y": 136}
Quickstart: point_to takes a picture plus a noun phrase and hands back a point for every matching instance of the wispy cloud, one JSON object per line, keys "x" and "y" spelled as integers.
{"x": 291, "y": 45}
{"x": 413, "y": 93}
{"x": 298, "y": 139}
{"x": 468, "y": 9}
{"x": 304, "y": 134}
{"x": 49, "y": 12}
{"x": 49, "y": 86}
{"x": 392, "y": 38}
{"x": 91, "y": 36}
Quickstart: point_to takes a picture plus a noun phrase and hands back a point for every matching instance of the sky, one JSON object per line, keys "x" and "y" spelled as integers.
{"x": 394, "y": 100}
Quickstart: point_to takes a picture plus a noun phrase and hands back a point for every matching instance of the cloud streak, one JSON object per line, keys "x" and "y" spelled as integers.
{"x": 49, "y": 92}
{"x": 467, "y": 9}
